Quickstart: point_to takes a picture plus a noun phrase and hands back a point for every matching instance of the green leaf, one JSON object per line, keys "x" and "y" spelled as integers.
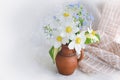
{"x": 77, "y": 33}
{"x": 88, "y": 41}
{"x": 97, "y": 35}
{"x": 53, "y": 52}
{"x": 86, "y": 32}
{"x": 81, "y": 21}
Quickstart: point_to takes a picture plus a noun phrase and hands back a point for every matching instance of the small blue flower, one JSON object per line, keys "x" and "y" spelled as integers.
{"x": 90, "y": 17}
{"x": 76, "y": 16}
{"x": 71, "y": 5}
{"x": 84, "y": 12}
{"x": 80, "y": 28}
{"x": 54, "y": 17}
{"x": 78, "y": 4}
{"x": 85, "y": 23}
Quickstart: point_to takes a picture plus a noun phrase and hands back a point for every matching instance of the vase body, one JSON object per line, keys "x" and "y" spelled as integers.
{"x": 66, "y": 60}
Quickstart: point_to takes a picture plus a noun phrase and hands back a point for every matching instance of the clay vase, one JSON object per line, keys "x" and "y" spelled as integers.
{"x": 66, "y": 60}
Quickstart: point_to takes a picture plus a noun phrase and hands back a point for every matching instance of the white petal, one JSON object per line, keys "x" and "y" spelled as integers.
{"x": 71, "y": 45}
{"x": 63, "y": 34}
{"x": 83, "y": 46}
{"x": 72, "y": 36}
{"x": 83, "y": 40}
{"x": 82, "y": 33}
{"x": 57, "y": 44}
{"x": 90, "y": 30}
{"x": 78, "y": 49}
{"x": 65, "y": 40}
{"x": 75, "y": 29}
{"x": 95, "y": 38}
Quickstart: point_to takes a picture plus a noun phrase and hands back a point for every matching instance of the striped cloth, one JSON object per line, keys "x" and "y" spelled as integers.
{"x": 105, "y": 56}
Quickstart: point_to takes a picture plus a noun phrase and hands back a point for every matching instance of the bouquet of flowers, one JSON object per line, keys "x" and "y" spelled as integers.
{"x": 71, "y": 27}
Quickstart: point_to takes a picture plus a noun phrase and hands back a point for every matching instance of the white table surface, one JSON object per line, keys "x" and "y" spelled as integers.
{"x": 23, "y": 49}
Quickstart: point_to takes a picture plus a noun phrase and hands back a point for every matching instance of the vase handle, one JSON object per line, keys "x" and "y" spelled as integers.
{"x": 81, "y": 55}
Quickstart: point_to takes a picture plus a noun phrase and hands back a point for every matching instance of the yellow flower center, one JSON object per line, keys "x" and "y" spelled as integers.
{"x": 93, "y": 33}
{"x": 68, "y": 29}
{"x": 66, "y": 14}
{"x": 59, "y": 38}
{"x": 78, "y": 40}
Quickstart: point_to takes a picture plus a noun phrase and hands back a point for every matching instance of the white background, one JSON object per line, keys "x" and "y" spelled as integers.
{"x": 23, "y": 50}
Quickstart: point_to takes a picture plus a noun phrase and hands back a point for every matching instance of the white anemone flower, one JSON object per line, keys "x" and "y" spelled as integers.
{"x": 91, "y": 35}
{"x": 64, "y": 15}
{"x": 78, "y": 43}
{"x": 59, "y": 40}
{"x": 69, "y": 31}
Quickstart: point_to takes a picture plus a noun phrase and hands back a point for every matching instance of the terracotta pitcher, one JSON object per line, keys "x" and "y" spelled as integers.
{"x": 66, "y": 60}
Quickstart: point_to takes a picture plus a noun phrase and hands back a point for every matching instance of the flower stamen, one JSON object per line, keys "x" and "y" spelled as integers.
{"x": 93, "y": 33}
{"x": 68, "y": 29}
{"x": 78, "y": 40}
{"x": 59, "y": 38}
{"x": 66, "y": 14}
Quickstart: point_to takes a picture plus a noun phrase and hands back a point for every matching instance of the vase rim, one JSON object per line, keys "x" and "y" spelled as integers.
{"x": 74, "y": 54}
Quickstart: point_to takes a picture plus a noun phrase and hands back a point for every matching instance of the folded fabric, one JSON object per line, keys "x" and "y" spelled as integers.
{"x": 105, "y": 56}
{"x": 100, "y": 57}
